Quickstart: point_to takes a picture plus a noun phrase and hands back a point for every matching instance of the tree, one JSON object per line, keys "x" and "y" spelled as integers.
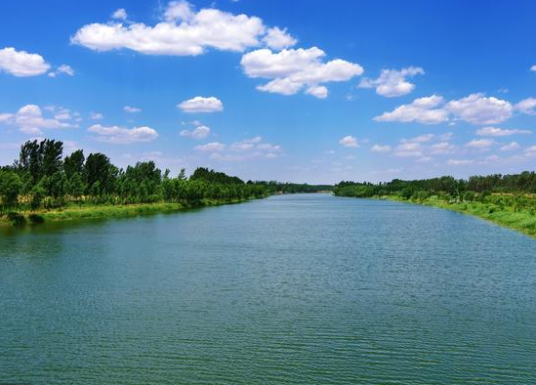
{"x": 10, "y": 188}
{"x": 38, "y": 194}
{"x": 30, "y": 160}
{"x": 99, "y": 169}
{"x": 51, "y": 151}
{"x": 76, "y": 186}
{"x": 74, "y": 163}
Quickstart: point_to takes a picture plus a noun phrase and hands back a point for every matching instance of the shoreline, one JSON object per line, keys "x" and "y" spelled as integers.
{"x": 71, "y": 213}
{"x": 521, "y": 221}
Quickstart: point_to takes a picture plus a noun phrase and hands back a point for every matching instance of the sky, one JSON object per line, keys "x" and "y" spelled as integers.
{"x": 310, "y": 91}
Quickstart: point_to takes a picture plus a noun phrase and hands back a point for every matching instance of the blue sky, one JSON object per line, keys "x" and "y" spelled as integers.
{"x": 304, "y": 90}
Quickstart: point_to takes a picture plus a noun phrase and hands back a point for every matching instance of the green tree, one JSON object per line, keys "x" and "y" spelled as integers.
{"x": 74, "y": 164}
{"x": 10, "y": 188}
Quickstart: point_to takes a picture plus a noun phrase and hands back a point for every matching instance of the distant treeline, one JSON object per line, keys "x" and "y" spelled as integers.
{"x": 524, "y": 183}
{"x": 43, "y": 178}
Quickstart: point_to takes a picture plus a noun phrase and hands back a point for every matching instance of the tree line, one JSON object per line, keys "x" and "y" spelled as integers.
{"x": 512, "y": 190}
{"x": 43, "y": 178}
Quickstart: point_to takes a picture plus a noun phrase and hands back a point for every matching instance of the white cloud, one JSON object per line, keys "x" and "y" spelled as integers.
{"x": 182, "y": 32}
{"x": 474, "y": 109}
{"x": 533, "y": 68}
{"x": 5, "y": 117}
{"x": 495, "y": 131}
{"x": 460, "y": 162}
{"x": 393, "y": 83}
{"x": 409, "y": 150}
{"x": 349, "y": 141}
{"x": 22, "y": 63}
{"x": 422, "y": 110}
{"x": 62, "y": 69}
{"x": 294, "y": 69}
{"x": 131, "y": 110}
{"x": 95, "y": 116}
{"x": 278, "y": 39}
{"x": 512, "y": 146}
{"x": 243, "y": 150}
{"x": 380, "y": 149}
{"x": 30, "y": 119}
{"x": 442, "y": 148}
{"x": 320, "y": 92}
{"x": 531, "y": 151}
{"x": 212, "y": 146}
{"x": 480, "y": 143}
{"x": 478, "y": 109}
{"x": 122, "y": 135}
{"x": 120, "y": 14}
{"x": 200, "y": 132}
{"x": 269, "y": 147}
{"x": 420, "y": 139}
{"x": 527, "y": 106}
{"x": 178, "y": 11}
{"x": 201, "y": 104}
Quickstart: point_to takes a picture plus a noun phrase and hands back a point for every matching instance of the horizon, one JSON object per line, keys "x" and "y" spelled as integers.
{"x": 314, "y": 94}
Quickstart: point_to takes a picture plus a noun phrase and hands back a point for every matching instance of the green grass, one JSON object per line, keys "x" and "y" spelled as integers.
{"x": 88, "y": 211}
{"x": 521, "y": 220}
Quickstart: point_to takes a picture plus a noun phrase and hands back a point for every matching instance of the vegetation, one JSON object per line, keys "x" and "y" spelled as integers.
{"x": 508, "y": 200}
{"x": 43, "y": 185}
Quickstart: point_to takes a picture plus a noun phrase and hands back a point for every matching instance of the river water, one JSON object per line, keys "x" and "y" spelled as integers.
{"x": 295, "y": 289}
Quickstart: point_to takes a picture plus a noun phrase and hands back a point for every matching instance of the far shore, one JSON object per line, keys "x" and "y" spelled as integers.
{"x": 92, "y": 211}
{"x": 520, "y": 220}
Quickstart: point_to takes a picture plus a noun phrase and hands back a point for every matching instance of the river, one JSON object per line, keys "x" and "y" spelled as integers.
{"x": 294, "y": 289}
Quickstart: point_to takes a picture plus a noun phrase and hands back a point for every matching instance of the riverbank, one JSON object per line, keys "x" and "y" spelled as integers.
{"x": 93, "y": 211}
{"x": 522, "y": 220}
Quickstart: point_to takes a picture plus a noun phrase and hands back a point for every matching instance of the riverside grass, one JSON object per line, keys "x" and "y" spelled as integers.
{"x": 521, "y": 219}
{"x": 75, "y": 212}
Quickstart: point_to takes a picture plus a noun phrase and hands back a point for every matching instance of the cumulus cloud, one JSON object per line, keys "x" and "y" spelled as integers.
{"x": 393, "y": 83}
{"x": 378, "y": 148}
{"x": 277, "y": 39}
{"x": 96, "y": 116}
{"x": 292, "y": 70}
{"x": 62, "y": 69}
{"x": 120, "y": 14}
{"x": 201, "y": 104}
{"x": 22, "y": 63}
{"x": 200, "y": 132}
{"x": 242, "y": 150}
{"x": 419, "y": 139}
{"x": 246, "y": 144}
{"x": 122, "y": 135}
{"x": 460, "y": 162}
{"x": 423, "y": 110}
{"x": 479, "y": 109}
{"x": 442, "y": 148}
{"x": 424, "y": 147}
{"x": 30, "y": 119}
{"x": 409, "y": 150}
{"x": 496, "y": 131}
{"x": 349, "y": 141}
{"x": 527, "y": 106}
{"x": 182, "y": 32}
{"x": 480, "y": 143}
{"x": 212, "y": 147}
{"x": 131, "y": 110}
{"x": 475, "y": 109}
{"x": 533, "y": 68}
{"x": 512, "y": 146}
{"x": 531, "y": 151}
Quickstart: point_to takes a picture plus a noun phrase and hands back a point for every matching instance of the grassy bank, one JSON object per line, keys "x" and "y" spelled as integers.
{"x": 520, "y": 219}
{"x": 88, "y": 211}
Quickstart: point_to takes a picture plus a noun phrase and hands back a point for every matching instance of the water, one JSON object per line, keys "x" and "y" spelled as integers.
{"x": 304, "y": 289}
